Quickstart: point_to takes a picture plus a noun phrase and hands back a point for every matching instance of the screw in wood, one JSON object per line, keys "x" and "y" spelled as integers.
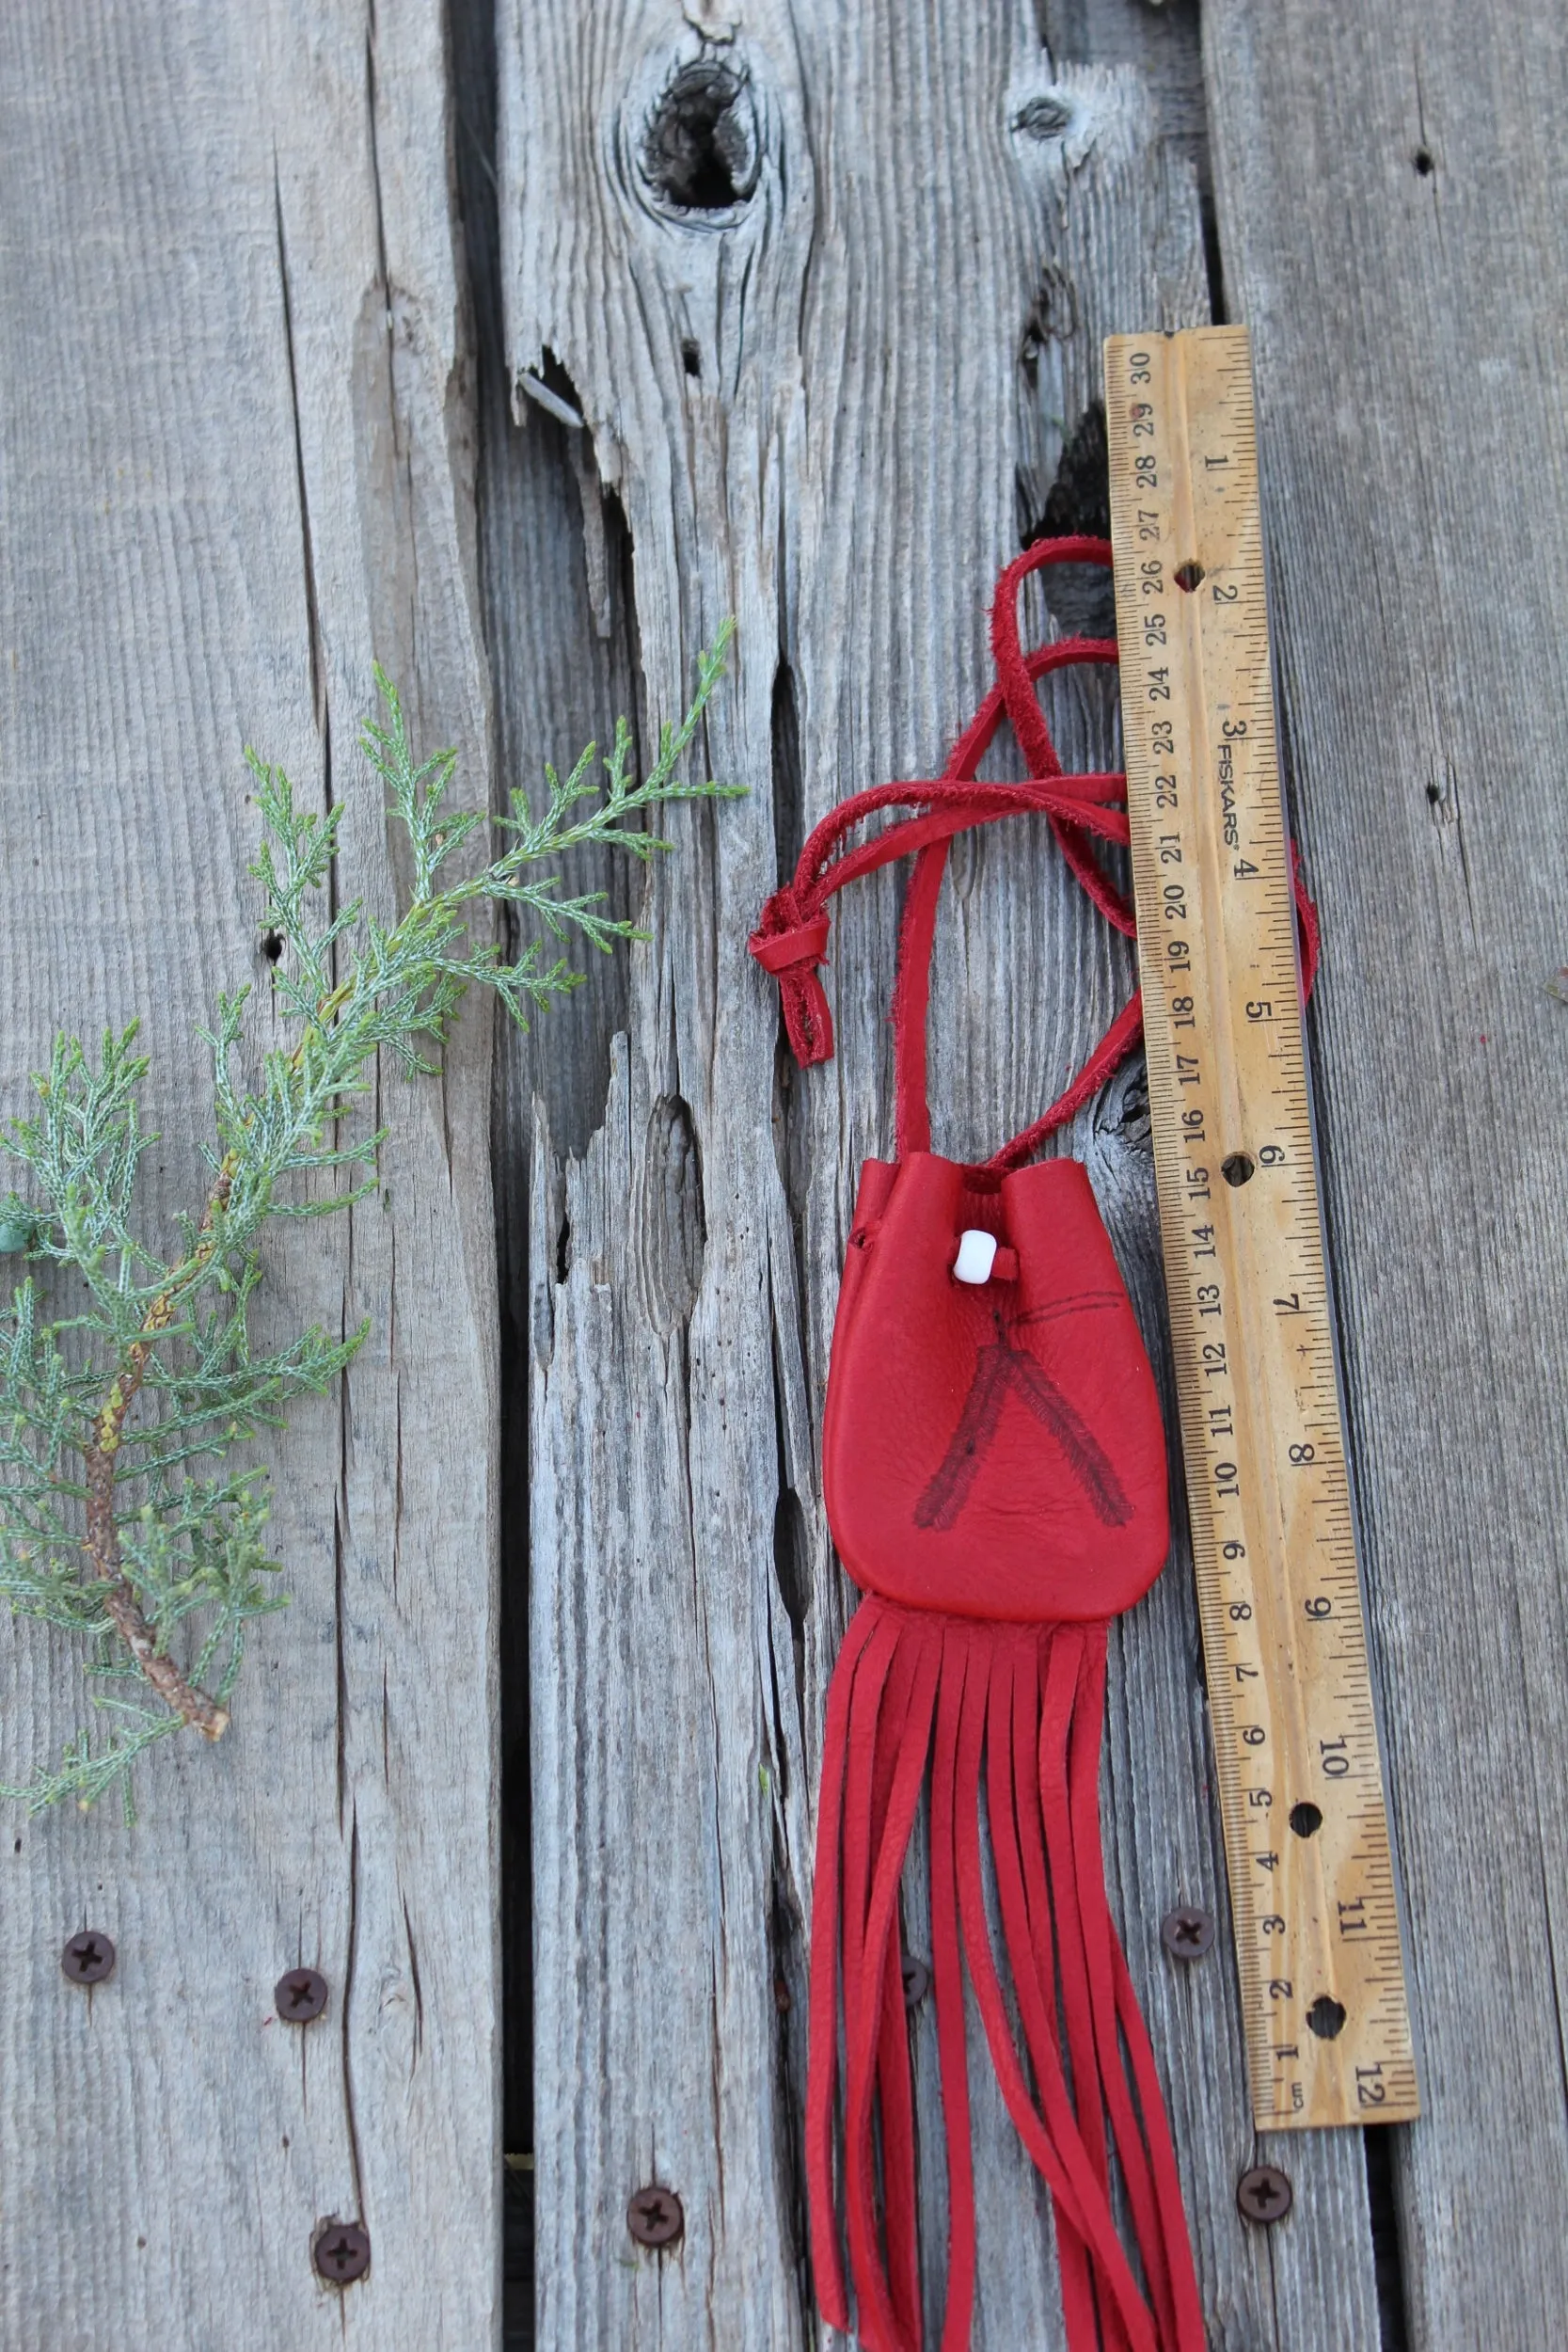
{"x": 341, "y": 2252}
{"x": 300, "y": 1995}
{"x": 1264, "y": 2194}
{"x": 917, "y": 1980}
{"x": 1187, "y": 1932}
{"x": 88, "y": 1958}
{"x": 656, "y": 2216}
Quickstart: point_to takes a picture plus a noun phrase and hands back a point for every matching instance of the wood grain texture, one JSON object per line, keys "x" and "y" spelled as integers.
{"x": 830, "y": 409}
{"x": 1392, "y": 234}
{"x": 237, "y": 443}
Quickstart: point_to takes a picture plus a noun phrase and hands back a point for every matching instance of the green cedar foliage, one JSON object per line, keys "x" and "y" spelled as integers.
{"x": 126, "y": 1379}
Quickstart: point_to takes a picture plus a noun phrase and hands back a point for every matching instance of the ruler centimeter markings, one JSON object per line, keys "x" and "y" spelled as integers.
{"x": 1295, "y": 1735}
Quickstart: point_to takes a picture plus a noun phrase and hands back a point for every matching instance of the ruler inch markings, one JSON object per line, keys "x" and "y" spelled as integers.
{"x": 1313, "y": 1900}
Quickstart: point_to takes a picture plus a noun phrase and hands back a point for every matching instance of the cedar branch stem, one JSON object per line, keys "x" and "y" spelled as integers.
{"x": 180, "y": 1697}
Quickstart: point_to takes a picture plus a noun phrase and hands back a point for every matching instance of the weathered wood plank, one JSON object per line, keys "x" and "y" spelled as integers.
{"x": 238, "y": 455}
{"x": 557, "y": 684}
{"x": 663, "y": 1777}
{"x": 1388, "y": 192}
{"x": 772, "y": 390}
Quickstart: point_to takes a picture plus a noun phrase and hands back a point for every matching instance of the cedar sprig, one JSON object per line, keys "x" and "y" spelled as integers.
{"x": 127, "y": 1378}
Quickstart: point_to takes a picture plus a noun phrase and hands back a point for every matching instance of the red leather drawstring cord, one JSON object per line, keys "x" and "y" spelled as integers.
{"x": 791, "y": 940}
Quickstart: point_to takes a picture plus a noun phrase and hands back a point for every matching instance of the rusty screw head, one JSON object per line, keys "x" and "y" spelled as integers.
{"x": 88, "y": 1958}
{"x": 656, "y": 2216}
{"x": 1187, "y": 1932}
{"x": 1264, "y": 2194}
{"x": 341, "y": 2252}
{"x": 917, "y": 1980}
{"x": 300, "y": 1995}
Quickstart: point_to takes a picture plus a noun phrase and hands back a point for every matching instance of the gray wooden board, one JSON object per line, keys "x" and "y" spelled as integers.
{"x": 238, "y": 458}
{"x": 558, "y": 682}
{"x": 824, "y": 411}
{"x": 1390, "y": 195}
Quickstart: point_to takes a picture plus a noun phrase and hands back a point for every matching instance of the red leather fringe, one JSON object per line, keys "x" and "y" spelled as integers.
{"x": 1014, "y": 1711}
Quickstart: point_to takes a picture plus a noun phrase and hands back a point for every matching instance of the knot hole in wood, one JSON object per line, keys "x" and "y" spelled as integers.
{"x": 701, "y": 148}
{"x": 672, "y": 1222}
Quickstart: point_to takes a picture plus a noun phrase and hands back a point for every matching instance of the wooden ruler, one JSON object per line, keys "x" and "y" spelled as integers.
{"x": 1301, "y": 1784}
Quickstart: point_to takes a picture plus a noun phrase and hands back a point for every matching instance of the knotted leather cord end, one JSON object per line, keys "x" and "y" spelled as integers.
{"x": 791, "y": 950}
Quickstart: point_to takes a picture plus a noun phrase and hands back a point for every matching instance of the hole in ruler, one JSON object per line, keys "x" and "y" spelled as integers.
{"x": 1423, "y": 163}
{"x": 1326, "y": 2016}
{"x": 1306, "y": 1820}
{"x": 1188, "y": 576}
{"x": 1238, "y": 1169}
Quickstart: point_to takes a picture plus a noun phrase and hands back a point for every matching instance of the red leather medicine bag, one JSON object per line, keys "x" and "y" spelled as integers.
{"x": 993, "y": 1449}
{"x": 995, "y": 1477}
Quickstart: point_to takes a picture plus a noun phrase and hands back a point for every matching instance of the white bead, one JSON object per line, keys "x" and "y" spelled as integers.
{"x": 975, "y": 1258}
